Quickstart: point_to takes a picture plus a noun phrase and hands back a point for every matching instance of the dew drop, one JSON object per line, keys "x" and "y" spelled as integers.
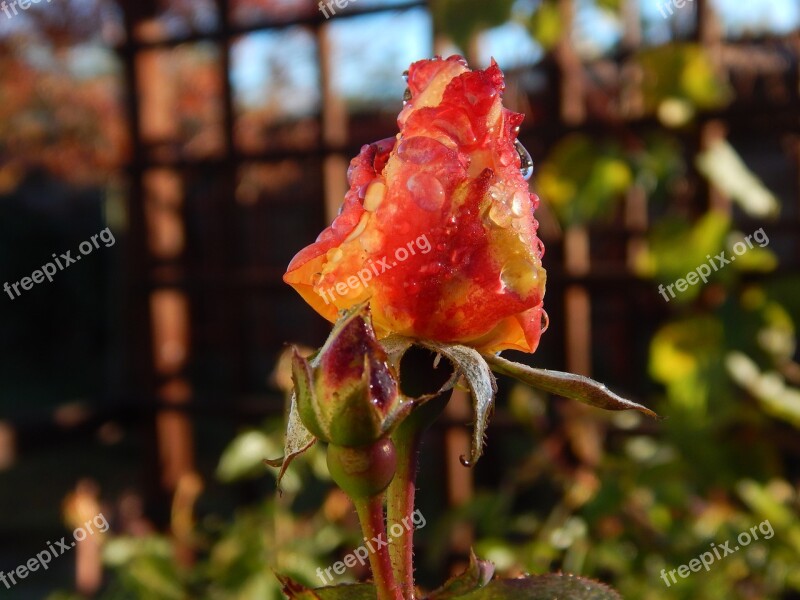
{"x": 421, "y": 150}
{"x": 334, "y": 255}
{"x": 359, "y": 229}
{"x": 518, "y": 203}
{"x": 545, "y": 321}
{"x": 500, "y": 214}
{"x": 464, "y": 461}
{"x": 376, "y": 192}
{"x": 525, "y": 160}
{"x": 426, "y": 191}
{"x": 520, "y": 276}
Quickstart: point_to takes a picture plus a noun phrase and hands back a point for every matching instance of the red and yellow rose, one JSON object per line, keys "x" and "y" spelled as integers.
{"x": 437, "y": 230}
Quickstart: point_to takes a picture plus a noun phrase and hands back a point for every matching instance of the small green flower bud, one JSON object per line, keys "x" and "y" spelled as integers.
{"x": 348, "y": 395}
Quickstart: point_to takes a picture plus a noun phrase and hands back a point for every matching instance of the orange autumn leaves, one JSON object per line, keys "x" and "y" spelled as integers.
{"x": 437, "y": 231}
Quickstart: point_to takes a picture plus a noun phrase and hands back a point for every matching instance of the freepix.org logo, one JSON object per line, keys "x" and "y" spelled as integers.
{"x": 375, "y": 269}
{"x": 720, "y": 261}
{"x": 59, "y": 263}
{"x": 42, "y": 560}
{"x": 361, "y": 554}
{"x": 10, "y": 7}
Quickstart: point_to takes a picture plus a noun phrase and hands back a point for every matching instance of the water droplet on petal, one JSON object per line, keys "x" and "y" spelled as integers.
{"x": 426, "y": 191}
{"x": 525, "y": 160}
{"x": 376, "y": 192}
{"x": 500, "y": 214}
{"x": 518, "y": 203}
{"x": 464, "y": 461}
{"x": 539, "y": 248}
{"x": 520, "y": 276}
{"x": 359, "y": 229}
{"x": 545, "y": 321}
{"x": 334, "y": 255}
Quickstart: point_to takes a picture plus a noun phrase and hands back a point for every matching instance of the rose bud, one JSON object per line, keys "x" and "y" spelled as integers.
{"x": 350, "y": 397}
{"x": 437, "y": 231}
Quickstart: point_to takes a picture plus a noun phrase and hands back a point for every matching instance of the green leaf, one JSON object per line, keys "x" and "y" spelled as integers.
{"x": 569, "y": 385}
{"x": 298, "y": 437}
{"x": 295, "y": 591}
{"x": 545, "y": 587}
{"x": 584, "y": 179}
{"x": 545, "y": 24}
{"x": 476, "y": 576}
{"x": 680, "y": 74}
{"x": 613, "y": 6}
{"x": 482, "y": 384}
{"x": 537, "y": 587}
{"x": 724, "y": 168}
{"x": 770, "y": 389}
{"x": 462, "y": 19}
{"x": 697, "y": 241}
{"x": 244, "y": 456}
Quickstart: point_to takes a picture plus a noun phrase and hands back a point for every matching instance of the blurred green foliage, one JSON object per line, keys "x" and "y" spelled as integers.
{"x": 237, "y": 559}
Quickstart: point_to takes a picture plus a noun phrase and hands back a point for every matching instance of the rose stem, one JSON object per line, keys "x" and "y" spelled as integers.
{"x": 370, "y": 513}
{"x": 401, "y": 493}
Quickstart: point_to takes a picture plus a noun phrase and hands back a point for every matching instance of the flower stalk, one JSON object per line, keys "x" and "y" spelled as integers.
{"x": 401, "y": 494}
{"x": 370, "y": 514}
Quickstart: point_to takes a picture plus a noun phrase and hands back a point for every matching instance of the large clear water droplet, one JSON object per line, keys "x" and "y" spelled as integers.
{"x": 520, "y": 276}
{"x": 525, "y": 161}
{"x": 334, "y": 255}
{"x": 500, "y": 214}
{"x": 427, "y": 191}
{"x": 518, "y": 203}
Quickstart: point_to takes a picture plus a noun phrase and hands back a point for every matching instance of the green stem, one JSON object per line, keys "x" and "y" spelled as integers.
{"x": 370, "y": 513}
{"x": 402, "y": 491}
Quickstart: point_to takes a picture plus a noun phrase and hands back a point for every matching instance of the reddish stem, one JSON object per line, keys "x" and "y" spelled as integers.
{"x": 370, "y": 513}
{"x": 402, "y": 491}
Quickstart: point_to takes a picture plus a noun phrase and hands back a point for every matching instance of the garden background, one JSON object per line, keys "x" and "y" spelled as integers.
{"x": 213, "y": 138}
